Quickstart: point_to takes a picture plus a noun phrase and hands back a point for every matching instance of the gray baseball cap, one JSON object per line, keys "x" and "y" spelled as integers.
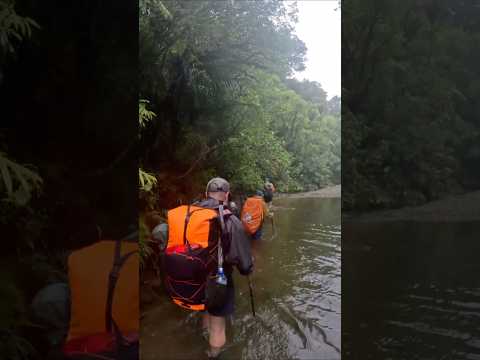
{"x": 218, "y": 184}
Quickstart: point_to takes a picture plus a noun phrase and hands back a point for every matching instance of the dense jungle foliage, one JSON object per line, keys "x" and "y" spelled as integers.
{"x": 410, "y": 112}
{"x": 218, "y": 75}
{"x": 68, "y": 109}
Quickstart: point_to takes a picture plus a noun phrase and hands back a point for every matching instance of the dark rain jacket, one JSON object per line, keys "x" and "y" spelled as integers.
{"x": 236, "y": 244}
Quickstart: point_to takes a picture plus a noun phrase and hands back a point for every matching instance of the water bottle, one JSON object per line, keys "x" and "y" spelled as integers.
{"x": 221, "y": 278}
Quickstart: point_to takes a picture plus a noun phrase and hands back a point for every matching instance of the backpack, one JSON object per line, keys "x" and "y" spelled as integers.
{"x": 252, "y": 214}
{"x": 191, "y": 254}
{"x": 110, "y": 344}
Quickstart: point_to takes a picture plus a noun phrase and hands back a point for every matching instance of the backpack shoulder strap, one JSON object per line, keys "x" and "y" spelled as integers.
{"x": 187, "y": 219}
{"x": 118, "y": 262}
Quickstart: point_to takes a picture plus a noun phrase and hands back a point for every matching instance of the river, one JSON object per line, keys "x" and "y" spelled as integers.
{"x": 411, "y": 290}
{"x": 297, "y": 288}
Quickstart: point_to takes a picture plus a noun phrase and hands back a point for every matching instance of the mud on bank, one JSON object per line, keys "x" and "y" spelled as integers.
{"x": 327, "y": 192}
{"x": 465, "y": 207}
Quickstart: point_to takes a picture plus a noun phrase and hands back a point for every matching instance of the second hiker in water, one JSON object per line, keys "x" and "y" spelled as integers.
{"x": 254, "y": 213}
{"x": 268, "y": 190}
{"x": 205, "y": 242}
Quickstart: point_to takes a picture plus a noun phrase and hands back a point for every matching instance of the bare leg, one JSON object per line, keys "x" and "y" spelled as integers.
{"x": 217, "y": 334}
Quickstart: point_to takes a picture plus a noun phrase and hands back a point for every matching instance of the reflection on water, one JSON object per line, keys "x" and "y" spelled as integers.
{"x": 297, "y": 295}
{"x": 412, "y": 290}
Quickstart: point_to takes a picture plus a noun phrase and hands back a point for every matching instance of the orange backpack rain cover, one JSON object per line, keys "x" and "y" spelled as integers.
{"x": 88, "y": 271}
{"x": 186, "y": 271}
{"x": 198, "y": 226}
{"x": 252, "y": 214}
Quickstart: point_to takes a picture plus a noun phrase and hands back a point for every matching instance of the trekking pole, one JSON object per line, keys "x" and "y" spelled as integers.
{"x": 274, "y": 229}
{"x": 251, "y": 295}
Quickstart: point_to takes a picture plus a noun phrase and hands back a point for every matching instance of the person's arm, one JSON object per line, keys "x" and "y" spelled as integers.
{"x": 160, "y": 234}
{"x": 240, "y": 252}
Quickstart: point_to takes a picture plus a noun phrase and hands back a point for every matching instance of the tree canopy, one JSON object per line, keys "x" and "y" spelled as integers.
{"x": 410, "y": 109}
{"x": 219, "y": 77}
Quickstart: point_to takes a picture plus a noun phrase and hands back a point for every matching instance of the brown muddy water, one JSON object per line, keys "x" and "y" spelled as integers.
{"x": 296, "y": 291}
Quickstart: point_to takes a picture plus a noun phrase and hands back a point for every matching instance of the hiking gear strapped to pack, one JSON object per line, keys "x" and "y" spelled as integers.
{"x": 111, "y": 343}
{"x": 192, "y": 254}
{"x": 216, "y": 291}
{"x": 253, "y": 214}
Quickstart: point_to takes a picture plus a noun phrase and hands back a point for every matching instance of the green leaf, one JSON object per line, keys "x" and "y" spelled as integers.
{"x": 7, "y": 179}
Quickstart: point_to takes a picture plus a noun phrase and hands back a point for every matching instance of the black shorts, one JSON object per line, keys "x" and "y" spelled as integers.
{"x": 229, "y": 306}
{"x": 268, "y": 196}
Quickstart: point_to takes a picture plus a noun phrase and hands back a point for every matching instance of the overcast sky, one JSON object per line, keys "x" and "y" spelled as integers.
{"x": 319, "y": 28}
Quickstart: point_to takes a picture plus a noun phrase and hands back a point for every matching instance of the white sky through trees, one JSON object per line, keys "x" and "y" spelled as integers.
{"x": 319, "y": 27}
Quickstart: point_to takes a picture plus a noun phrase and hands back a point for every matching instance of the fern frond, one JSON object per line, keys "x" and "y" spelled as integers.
{"x": 12, "y": 174}
{"x": 144, "y": 115}
{"x": 13, "y": 26}
{"x": 147, "y": 181}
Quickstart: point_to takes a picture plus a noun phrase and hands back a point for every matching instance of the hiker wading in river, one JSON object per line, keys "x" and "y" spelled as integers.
{"x": 254, "y": 213}
{"x": 268, "y": 190}
{"x": 205, "y": 242}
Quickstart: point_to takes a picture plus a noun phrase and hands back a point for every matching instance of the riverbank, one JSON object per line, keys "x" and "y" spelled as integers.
{"x": 458, "y": 208}
{"x": 334, "y": 191}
